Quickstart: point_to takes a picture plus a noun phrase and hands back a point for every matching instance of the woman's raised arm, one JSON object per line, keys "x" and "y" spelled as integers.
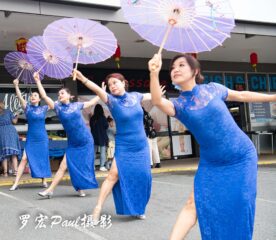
{"x": 18, "y": 93}
{"x": 163, "y": 104}
{"x": 42, "y": 92}
{"x": 91, "y": 85}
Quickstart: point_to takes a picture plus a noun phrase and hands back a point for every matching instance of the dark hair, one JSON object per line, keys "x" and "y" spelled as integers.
{"x": 118, "y": 76}
{"x": 98, "y": 112}
{"x": 193, "y": 63}
{"x": 109, "y": 119}
{"x": 68, "y": 91}
{"x": 37, "y": 93}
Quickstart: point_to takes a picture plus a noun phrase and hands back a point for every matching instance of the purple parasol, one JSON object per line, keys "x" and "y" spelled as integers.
{"x": 185, "y": 26}
{"x": 20, "y": 67}
{"x": 86, "y": 41}
{"x": 50, "y": 64}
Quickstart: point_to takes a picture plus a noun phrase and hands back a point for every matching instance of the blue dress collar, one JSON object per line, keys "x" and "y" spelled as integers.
{"x": 122, "y": 97}
{"x": 194, "y": 91}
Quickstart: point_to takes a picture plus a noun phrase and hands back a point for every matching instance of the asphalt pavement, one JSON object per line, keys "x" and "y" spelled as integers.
{"x": 24, "y": 215}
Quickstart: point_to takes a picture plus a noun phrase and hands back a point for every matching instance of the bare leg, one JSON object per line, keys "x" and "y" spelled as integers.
{"x": 59, "y": 175}
{"x": 185, "y": 220}
{"x": 44, "y": 182}
{"x": 21, "y": 168}
{"x": 5, "y": 167}
{"x": 106, "y": 188}
{"x": 15, "y": 164}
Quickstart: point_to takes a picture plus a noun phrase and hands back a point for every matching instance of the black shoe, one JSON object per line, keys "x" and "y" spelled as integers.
{"x": 158, "y": 165}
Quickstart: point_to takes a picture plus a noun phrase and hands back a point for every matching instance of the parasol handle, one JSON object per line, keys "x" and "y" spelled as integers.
{"x": 20, "y": 73}
{"x": 168, "y": 30}
{"x": 38, "y": 71}
{"x": 77, "y": 61}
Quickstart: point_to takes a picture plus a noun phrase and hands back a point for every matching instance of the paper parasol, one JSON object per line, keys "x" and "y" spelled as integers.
{"x": 20, "y": 67}
{"x": 185, "y": 26}
{"x": 50, "y": 64}
{"x": 86, "y": 41}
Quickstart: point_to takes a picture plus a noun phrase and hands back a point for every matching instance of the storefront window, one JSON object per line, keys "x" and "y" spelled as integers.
{"x": 235, "y": 81}
{"x": 181, "y": 139}
{"x": 213, "y": 77}
{"x": 272, "y": 82}
{"x": 257, "y": 82}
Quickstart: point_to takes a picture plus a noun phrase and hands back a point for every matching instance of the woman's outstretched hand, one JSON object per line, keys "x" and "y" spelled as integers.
{"x": 163, "y": 90}
{"x": 36, "y": 77}
{"x": 78, "y": 75}
{"x": 104, "y": 86}
{"x": 15, "y": 82}
{"x": 155, "y": 64}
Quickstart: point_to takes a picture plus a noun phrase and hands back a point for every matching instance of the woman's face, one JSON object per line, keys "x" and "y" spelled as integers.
{"x": 63, "y": 96}
{"x": 181, "y": 71}
{"x": 35, "y": 98}
{"x": 116, "y": 86}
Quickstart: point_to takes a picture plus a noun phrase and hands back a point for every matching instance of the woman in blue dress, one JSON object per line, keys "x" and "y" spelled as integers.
{"x": 37, "y": 143}
{"x": 130, "y": 175}
{"x": 9, "y": 140}
{"x": 225, "y": 182}
{"x": 79, "y": 155}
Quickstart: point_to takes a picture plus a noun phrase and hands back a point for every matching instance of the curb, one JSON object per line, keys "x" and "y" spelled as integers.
{"x": 102, "y": 175}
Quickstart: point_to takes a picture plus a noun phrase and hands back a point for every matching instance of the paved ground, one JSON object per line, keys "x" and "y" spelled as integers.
{"x": 188, "y": 164}
{"x": 170, "y": 190}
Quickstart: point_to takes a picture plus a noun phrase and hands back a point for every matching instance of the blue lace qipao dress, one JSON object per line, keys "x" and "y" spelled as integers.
{"x": 80, "y": 150}
{"x": 37, "y": 143}
{"x": 225, "y": 182}
{"x": 132, "y": 192}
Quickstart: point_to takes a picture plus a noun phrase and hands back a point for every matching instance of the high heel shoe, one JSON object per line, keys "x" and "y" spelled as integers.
{"x": 44, "y": 184}
{"x": 141, "y": 217}
{"x": 13, "y": 188}
{"x": 81, "y": 193}
{"x": 96, "y": 215}
{"x": 46, "y": 194}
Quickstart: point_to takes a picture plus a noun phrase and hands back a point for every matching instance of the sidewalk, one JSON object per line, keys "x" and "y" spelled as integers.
{"x": 179, "y": 165}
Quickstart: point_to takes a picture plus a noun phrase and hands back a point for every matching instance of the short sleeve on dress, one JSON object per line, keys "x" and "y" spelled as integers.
{"x": 110, "y": 100}
{"x": 57, "y": 107}
{"x": 221, "y": 90}
{"x": 80, "y": 105}
{"x": 45, "y": 108}
{"x": 139, "y": 96}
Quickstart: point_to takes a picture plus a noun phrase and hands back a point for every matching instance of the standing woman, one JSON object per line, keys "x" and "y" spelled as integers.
{"x": 9, "y": 140}
{"x": 98, "y": 126}
{"x": 130, "y": 174}
{"x": 152, "y": 140}
{"x": 225, "y": 182}
{"x": 79, "y": 156}
{"x": 37, "y": 143}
